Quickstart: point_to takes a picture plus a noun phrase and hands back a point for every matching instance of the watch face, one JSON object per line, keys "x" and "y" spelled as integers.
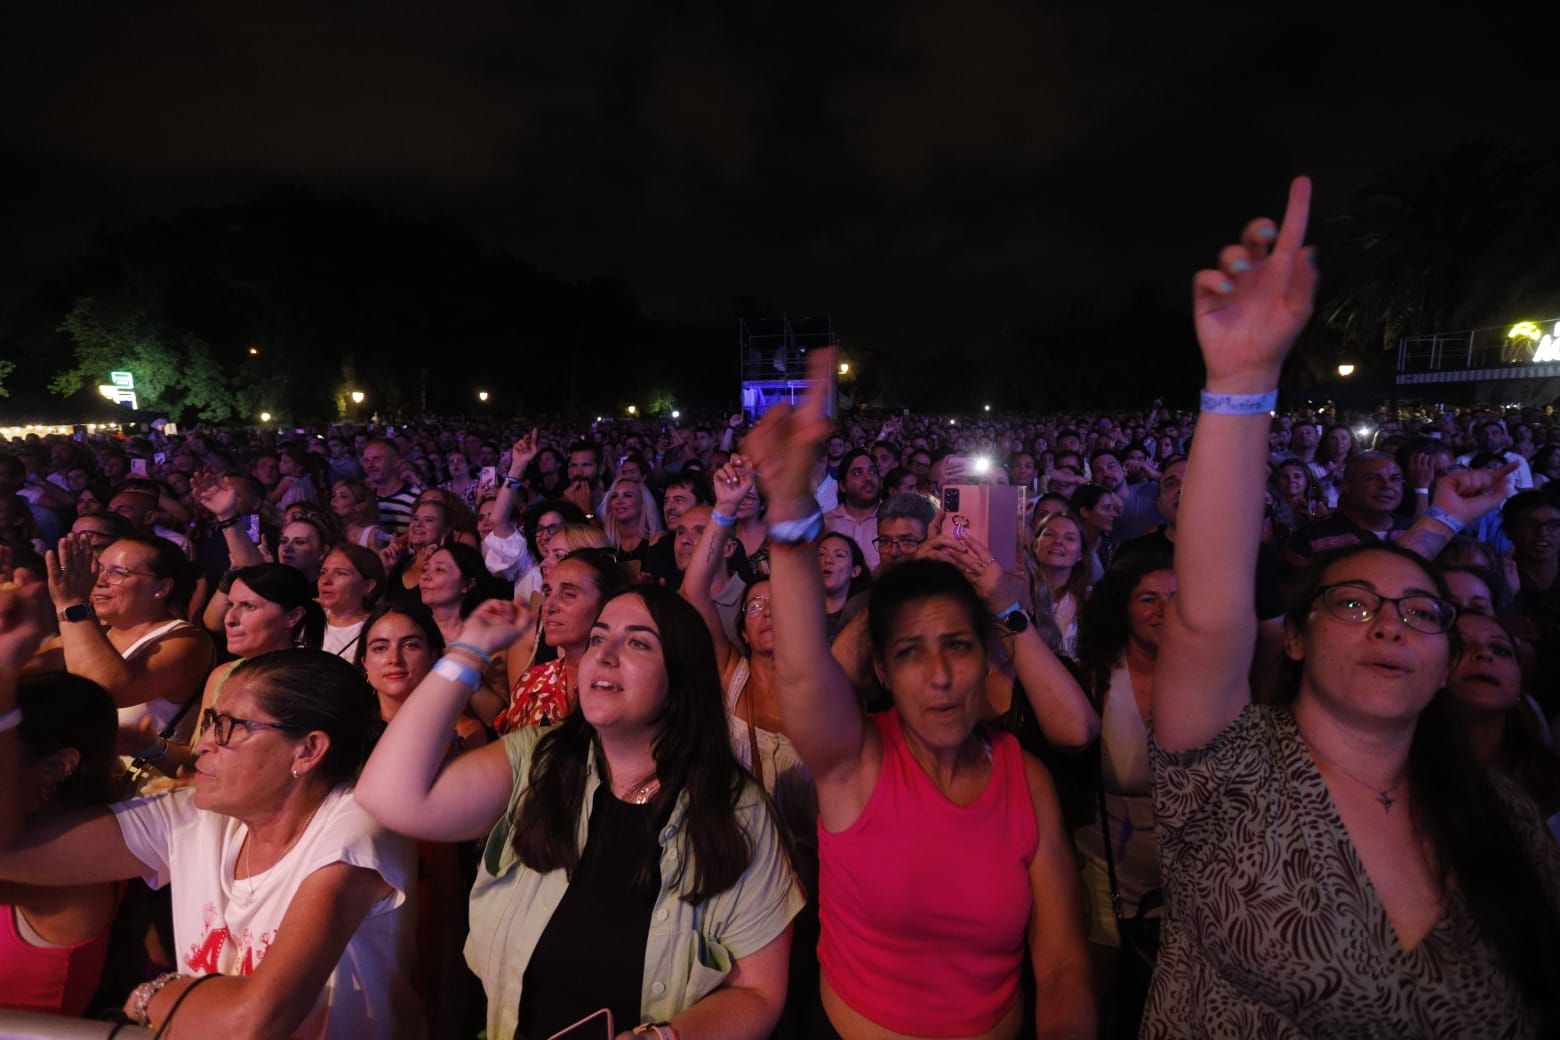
{"x": 79, "y": 612}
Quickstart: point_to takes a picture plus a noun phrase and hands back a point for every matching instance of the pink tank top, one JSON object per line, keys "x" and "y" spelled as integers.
{"x": 54, "y": 980}
{"x": 923, "y": 903}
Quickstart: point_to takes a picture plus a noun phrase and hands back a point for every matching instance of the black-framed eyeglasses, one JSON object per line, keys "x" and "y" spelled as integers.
{"x": 220, "y": 725}
{"x": 1357, "y": 605}
{"x": 897, "y": 544}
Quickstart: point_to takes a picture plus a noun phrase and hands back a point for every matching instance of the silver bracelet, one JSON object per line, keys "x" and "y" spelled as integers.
{"x": 144, "y": 994}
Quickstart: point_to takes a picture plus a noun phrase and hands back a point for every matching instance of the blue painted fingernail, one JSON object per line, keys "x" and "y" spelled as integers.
{"x": 1240, "y": 265}
{"x": 1265, "y": 233}
{"x": 1310, "y": 258}
{"x": 1226, "y": 286}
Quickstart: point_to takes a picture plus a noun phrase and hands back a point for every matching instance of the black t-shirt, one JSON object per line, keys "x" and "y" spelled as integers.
{"x": 591, "y": 955}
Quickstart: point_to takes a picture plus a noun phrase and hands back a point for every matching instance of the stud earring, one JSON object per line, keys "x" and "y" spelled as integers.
{"x": 295, "y": 772}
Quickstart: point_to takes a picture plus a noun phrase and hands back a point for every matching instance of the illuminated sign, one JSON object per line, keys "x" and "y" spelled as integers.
{"x": 1548, "y": 348}
{"x": 120, "y": 389}
{"x": 1545, "y": 345}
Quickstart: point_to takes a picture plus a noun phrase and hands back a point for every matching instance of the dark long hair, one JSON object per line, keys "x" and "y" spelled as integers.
{"x": 416, "y": 613}
{"x": 311, "y": 690}
{"x": 289, "y": 589}
{"x": 1103, "y": 626}
{"x": 693, "y": 759}
{"x": 60, "y": 710}
{"x": 1470, "y": 826}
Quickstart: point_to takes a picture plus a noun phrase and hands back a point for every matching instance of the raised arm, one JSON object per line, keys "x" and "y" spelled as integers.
{"x": 408, "y": 785}
{"x": 1248, "y": 313}
{"x": 173, "y": 664}
{"x": 20, "y": 634}
{"x": 820, "y": 711}
{"x": 1461, "y": 498}
{"x": 520, "y": 456}
{"x": 732, "y": 483}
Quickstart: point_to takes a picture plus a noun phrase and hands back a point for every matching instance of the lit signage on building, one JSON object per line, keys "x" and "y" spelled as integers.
{"x": 120, "y": 389}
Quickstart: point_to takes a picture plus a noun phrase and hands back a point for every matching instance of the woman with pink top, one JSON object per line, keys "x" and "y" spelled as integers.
{"x": 943, "y": 858}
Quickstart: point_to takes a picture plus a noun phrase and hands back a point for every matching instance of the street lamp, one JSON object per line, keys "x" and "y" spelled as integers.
{"x": 482, "y": 395}
{"x": 265, "y": 416}
{"x": 676, "y": 414}
{"x": 988, "y": 408}
{"x": 254, "y": 351}
{"x": 633, "y": 409}
{"x": 1346, "y": 370}
{"x": 357, "y": 397}
{"x": 844, "y": 368}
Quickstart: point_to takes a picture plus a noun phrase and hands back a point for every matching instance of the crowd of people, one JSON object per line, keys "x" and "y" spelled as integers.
{"x": 730, "y": 730}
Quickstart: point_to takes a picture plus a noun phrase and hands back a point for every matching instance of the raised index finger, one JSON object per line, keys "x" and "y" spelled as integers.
{"x": 820, "y": 369}
{"x": 1291, "y": 234}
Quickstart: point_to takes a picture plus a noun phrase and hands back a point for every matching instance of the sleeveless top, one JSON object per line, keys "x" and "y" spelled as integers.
{"x": 161, "y": 709}
{"x": 924, "y": 904}
{"x": 53, "y": 980}
{"x": 781, "y": 772}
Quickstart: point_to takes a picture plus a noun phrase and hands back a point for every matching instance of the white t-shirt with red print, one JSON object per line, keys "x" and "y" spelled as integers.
{"x": 225, "y": 925}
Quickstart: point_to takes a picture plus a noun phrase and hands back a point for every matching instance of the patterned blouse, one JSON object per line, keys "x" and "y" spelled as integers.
{"x": 1272, "y": 927}
{"x": 541, "y": 697}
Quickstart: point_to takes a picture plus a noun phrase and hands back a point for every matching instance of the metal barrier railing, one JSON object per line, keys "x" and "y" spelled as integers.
{"x": 24, "y": 1025}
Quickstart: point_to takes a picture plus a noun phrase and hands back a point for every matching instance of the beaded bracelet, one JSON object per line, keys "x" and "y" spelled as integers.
{"x": 475, "y": 651}
{"x": 721, "y": 519}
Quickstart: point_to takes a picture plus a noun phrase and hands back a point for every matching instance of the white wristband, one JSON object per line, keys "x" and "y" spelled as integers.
{"x": 11, "y": 719}
{"x": 1238, "y": 404}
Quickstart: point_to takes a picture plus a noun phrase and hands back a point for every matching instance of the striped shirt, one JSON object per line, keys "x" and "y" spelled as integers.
{"x": 395, "y": 510}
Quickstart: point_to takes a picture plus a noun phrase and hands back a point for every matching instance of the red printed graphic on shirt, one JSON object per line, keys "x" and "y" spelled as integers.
{"x": 205, "y": 957}
{"x": 252, "y": 953}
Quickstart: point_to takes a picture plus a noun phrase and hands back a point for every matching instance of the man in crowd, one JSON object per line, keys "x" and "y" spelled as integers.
{"x": 382, "y": 474}
{"x": 856, "y": 515}
{"x": 902, "y": 526}
{"x": 1367, "y": 509}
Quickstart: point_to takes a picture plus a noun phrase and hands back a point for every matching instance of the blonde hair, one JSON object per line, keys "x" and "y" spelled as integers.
{"x": 649, "y": 515}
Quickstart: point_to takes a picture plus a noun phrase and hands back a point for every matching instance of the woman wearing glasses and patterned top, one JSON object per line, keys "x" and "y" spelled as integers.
{"x": 289, "y": 905}
{"x": 1336, "y": 864}
{"x": 121, "y": 626}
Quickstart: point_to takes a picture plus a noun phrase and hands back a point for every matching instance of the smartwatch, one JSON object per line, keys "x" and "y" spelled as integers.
{"x": 1014, "y": 619}
{"x": 78, "y": 612}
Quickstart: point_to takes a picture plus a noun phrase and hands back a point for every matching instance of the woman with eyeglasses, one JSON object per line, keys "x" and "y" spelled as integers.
{"x": 121, "y": 625}
{"x": 289, "y": 902}
{"x": 1335, "y": 864}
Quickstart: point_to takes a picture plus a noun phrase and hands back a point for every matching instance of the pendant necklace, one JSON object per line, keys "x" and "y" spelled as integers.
{"x": 249, "y": 878}
{"x": 1383, "y": 795}
{"x": 642, "y": 792}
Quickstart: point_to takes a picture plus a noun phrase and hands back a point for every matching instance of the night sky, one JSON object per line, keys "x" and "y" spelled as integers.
{"x": 927, "y": 172}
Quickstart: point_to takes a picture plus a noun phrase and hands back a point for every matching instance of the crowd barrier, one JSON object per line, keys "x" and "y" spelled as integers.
{"x": 23, "y": 1025}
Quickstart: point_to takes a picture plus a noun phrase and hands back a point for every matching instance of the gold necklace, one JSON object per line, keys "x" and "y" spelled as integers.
{"x": 249, "y": 874}
{"x": 643, "y": 791}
